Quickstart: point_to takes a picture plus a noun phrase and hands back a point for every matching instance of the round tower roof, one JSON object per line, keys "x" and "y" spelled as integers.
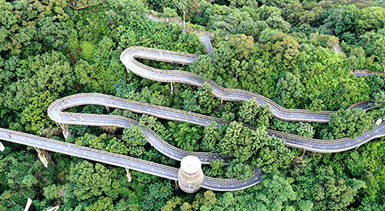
{"x": 190, "y": 164}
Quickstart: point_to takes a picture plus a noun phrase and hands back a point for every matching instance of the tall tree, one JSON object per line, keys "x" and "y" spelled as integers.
{"x": 290, "y": 90}
{"x": 255, "y": 115}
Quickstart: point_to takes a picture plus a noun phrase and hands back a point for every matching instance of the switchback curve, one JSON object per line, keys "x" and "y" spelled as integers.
{"x": 55, "y": 112}
{"x": 128, "y": 57}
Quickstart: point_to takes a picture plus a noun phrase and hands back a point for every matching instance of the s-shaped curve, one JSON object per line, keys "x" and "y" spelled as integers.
{"x": 128, "y": 57}
{"x": 317, "y": 145}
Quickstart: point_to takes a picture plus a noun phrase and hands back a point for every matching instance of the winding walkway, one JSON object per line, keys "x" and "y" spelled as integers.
{"x": 55, "y": 112}
{"x": 122, "y": 160}
{"x": 128, "y": 57}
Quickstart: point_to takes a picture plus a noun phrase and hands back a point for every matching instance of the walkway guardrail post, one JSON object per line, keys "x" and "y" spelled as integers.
{"x": 184, "y": 21}
{"x": 66, "y": 130}
{"x": 2, "y": 148}
{"x": 40, "y": 154}
{"x": 128, "y": 175}
{"x": 29, "y": 202}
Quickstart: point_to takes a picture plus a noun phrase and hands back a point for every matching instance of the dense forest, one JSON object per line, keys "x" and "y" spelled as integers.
{"x": 299, "y": 53}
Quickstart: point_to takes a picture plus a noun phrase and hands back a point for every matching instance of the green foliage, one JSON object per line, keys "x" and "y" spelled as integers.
{"x": 255, "y": 115}
{"x": 330, "y": 192}
{"x": 135, "y": 140}
{"x": 207, "y": 101}
{"x": 217, "y": 169}
{"x": 169, "y": 13}
{"x": 51, "y": 192}
{"x": 88, "y": 50}
{"x": 239, "y": 170}
{"x": 348, "y": 123}
{"x": 35, "y": 115}
{"x": 25, "y": 24}
{"x": 243, "y": 45}
{"x": 53, "y": 33}
{"x": 38, "y": 74}
{"x": 275, "y": 21}
{"x": 207, "y": 199}
{"x": 212, "y": 134}
{"x": 189, "y": 101}
{"x": 203, "y": 67}
{"x": 103, "y": 203}
{"x": 277, "y": 192}
{"x": 240, "y": 141}
{"x": 172, "y": 204}
{"x": 374, "y": 44}
{"x": 290, "y": 89}
{"x": 379, "y": 101}
{"x": 185, "y": 135}
{"x": 157, "y": 195}
{"x": 20, "y": 174}
{"x": 94, "y": 180}
{"x": 299, "y": 128}
{"x": 290, "y": 51}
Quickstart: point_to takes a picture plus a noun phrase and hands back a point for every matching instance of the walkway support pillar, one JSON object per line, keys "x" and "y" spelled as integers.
{"x": 176, "y": 185}
{"x": 40, "y": 154}
{"x": 66, "y": 130}
{"x": 108, "y": 109}
{"x": 221, "y": 101}
{"x": 2, "y": 148}
{"x": 128, "y": 175}
{"x": 128, "y": 70}
{"x": 172, "y": 88}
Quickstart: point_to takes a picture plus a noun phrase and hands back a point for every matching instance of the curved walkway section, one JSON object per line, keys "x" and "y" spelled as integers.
{"x": 128, "y": 57}
{"x": 122, "y": 160}
{"x": 55, "y": 112}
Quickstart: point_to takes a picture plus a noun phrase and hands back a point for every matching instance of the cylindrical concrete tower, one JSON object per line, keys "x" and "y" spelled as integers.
{"x": 190, "y": 174}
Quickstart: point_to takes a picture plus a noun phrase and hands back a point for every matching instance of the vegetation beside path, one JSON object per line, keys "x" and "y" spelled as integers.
{"x": 49, "y": 50}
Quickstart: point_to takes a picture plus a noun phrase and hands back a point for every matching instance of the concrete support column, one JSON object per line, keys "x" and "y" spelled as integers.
{"x": 176, "y": 185}
{"x": 221, "y": 101}
{"x": 108, "y": 109}
{"x": 128, "y": 175}
{"x": 357, "y": 147}
{"x": 2, "y": 148}
{"x": 40, "y": 154}
{"x": 66, "y": 130}
{"x": 128, "y": 70}
{"x": 304, "y": 151}
{"x": 172, "y": 88}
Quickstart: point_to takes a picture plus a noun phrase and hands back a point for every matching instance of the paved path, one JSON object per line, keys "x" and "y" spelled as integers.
{"x": 122, "y": 160}
{"x": 316, "y": 145}
{"x": 55, "y": 112}
{"x": 128, "y": 59}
